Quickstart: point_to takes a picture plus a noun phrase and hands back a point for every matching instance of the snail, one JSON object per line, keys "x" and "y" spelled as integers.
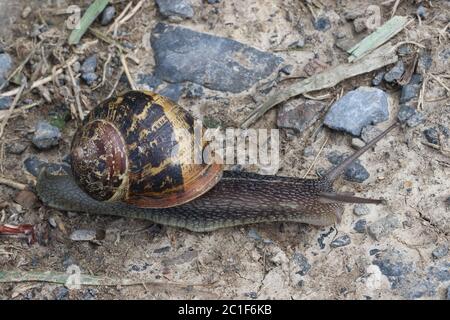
{"x": 124, "y": 163}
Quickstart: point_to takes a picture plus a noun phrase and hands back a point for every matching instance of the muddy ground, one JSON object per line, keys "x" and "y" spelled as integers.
{"x": 268, "y": 261}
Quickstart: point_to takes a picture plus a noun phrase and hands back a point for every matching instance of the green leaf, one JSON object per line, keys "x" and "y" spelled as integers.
{"x": 89, "y": 16}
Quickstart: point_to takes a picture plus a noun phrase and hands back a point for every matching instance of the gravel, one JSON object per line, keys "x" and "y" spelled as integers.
{"x": 361, "y": 209}
{"x": 175, "y": 9}
{"x": 341, "y": 241}
{"x": 302, "y": 262}
{"x": 440, "y": 251}
{"x": 46, "y": 136}
{"x": 395, "y": 73}
{"x": 432, "y": 135}
{"x": 354, "y": 172}
{"x": 5, "y": 67}
{"x": 410, "y": 116}
{"x": 5, "y": 102}
{"x": 322, "y": 23}
{"x": 360, "y": 226}
{"x": 383, "y": 227}
{"x": 357, "y": 109}
{"x": 107, "y": 15}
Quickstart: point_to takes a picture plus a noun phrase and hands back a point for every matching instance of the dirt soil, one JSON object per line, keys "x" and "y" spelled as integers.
{"x": 267, "y": 261}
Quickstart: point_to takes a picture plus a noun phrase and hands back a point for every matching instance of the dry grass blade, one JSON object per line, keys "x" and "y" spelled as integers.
{"x": 315, "y": 158}
{"x": 13, "y": 184}
{"x": 121, "y": 15}
{"x": 76, "y": 91}
{"x": 127, "y": 71}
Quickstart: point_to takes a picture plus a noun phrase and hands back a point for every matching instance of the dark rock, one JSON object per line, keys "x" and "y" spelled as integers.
{"x": 416, "y": 79}
{"x": 45, "y": 136}
{"x": 357, "y": 109}
{"x": 383, "y": 227}
{"x": 213, "y": 1}
{"x": 5, "y": 102}
{"x": 194, "y": 90}
{"x": 360, "y": 226}
{"x": 90, "y": 294}
{"x": 351, "y": 15}
{"x": 394, "y": 266}
{"x": 361, "y": 209}
{"x": 287, "y": 70}
{"x": 89, "y": 64}
{"x": 322, "y": 23}
{"x": 342, "y": 241}
{"x": 175, "y": 9}
{"x": 322, "y": 237}
{"x": 89, "y": 78}
{"x": 149, "y": 81}
{"x": 302, "y": 262}
{"x": 421, "y": 12}
{"x": 409, "y": 92}
{"x": 173, "y": 91}
{"x": 354, "y": 172}
{"x": 376, "y": 81}
{"x": 107, "y": 15}
{"x": 432, "y": 135}
{"x": 5, "y": 67}
{"x": 425, "y": 61}
{"x": 61, "y": 293}
{"x": 299, "y": 114}
{"x": 404, "y": 50}
{"x": 409, "y": 115}
{"x": 374, "y": 251}
{"x": 217, "y": 63}
{"x": 16, "y": 147}
{"x": 395, "y": 73}
{"x": 251, "y": 294}
{"x": 440, "y": 252}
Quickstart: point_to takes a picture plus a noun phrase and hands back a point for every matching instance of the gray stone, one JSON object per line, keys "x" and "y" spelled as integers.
{"x": 322, "y": 23}
{"x": 302, "y": 263}
{"x": 409, "y": 115}
{"x": 361, "y": 209}
{"x": 89, "y": 64}
{"x": 194, "y": 90}
{"x": 5, "y": 67}
{"x": 395, "y": 73}
{"x": 253, "y": 234}
{"x": 357, "y": 109}
{"x": 421, "y": 12}
{"x": 416, "y": 79}
{"x": 393, "y": 265}
{"x": 61, "y": 293}
{"x": 409, "y": 92}
{"x": 89, "y": 77}
{"x": 354, "y": 172}
{"x": 341, "y": 241}
{"x": 299, "y": 114}
{"x": 45, "y": 136}
{"x": 16, "y": 147}
{"x": 149, "y": 81}
{"x": 425, "y": 61}
{"x": 175, "y": 9}
{"x": 383, "y": 227}
{"x": 213, "y": 1}
{"x": 368, "y": 133}
{"x": 352, "y": 14}
{"x": 360, "y": 226}
{"x": 357, "y": 143}
{"x": 217, "y": 63}
{"x": 83, "y": 235}
{"x": 90, "y": 294}
{"x": 440, "y": 252}
{"x": 300, "y": 43}
{"x": 404, "y": 50}
{"x": 5, "y": 102}
{"x": 287, "y": 70}
{"x": 376, "y": 81}
{"x": 432, "y": 135}
{"x": 173, "y": 91}
{"x": 107, "y": 15}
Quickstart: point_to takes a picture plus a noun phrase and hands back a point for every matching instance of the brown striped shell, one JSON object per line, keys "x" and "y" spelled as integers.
{"x": 129, "y": 149}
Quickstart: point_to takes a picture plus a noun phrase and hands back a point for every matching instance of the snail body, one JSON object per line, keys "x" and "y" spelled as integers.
{"x": 126, "y": 162}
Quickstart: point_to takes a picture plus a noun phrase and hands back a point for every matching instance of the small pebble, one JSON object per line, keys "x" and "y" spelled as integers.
{"x": 52, "y": 222}
{"x": 440, "y": 252}
{"x": 5, "y": 102}
{"x": 425, "y": 62}
{"x": 432, "y": 135}
{"x": 409, "y": 115}
{"x": 175, "y": 9}
{"x": 162, "y": 250}
{"x": 16, "y": 147}
{"x": 89, "y": 64}
{"x": 45, "y": 136}
{"x": 90, "y": 294}
{"x": 342, "y": 241}
{"x": 395, "y": 73}
{"x": 361, "y": 209}
{"x": 302, "y": 262}
{"x": 61, "y": 293}
{"x": 213, "y": 1}
{"x": 5, "y": 67}
{"x": 297, "y": 44}
{"x": 354, "y": 172}
{"x": 357, "y": 143}
{"x": 360, "y": 226}
{"x": 368, "y": 133}
{"x": 360, "y": 24}
{"x": 376, "y": 81}
{"x": 322, "y": 24}
{"x": 83, "y": 235}
{"x": 287, "y": 70}
{"x": 409, "y": 92}
{"x": 253, "y": 234}
{"x": 107, "y": 15}
{"x": 421, "y": 12}
{"x": 26, "y": 12}
{"x": 374, "y": 251}
{"x": 89, "y": 77}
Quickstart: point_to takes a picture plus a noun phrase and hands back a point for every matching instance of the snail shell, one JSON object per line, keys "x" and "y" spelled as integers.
{"x": 130, "y": 149}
